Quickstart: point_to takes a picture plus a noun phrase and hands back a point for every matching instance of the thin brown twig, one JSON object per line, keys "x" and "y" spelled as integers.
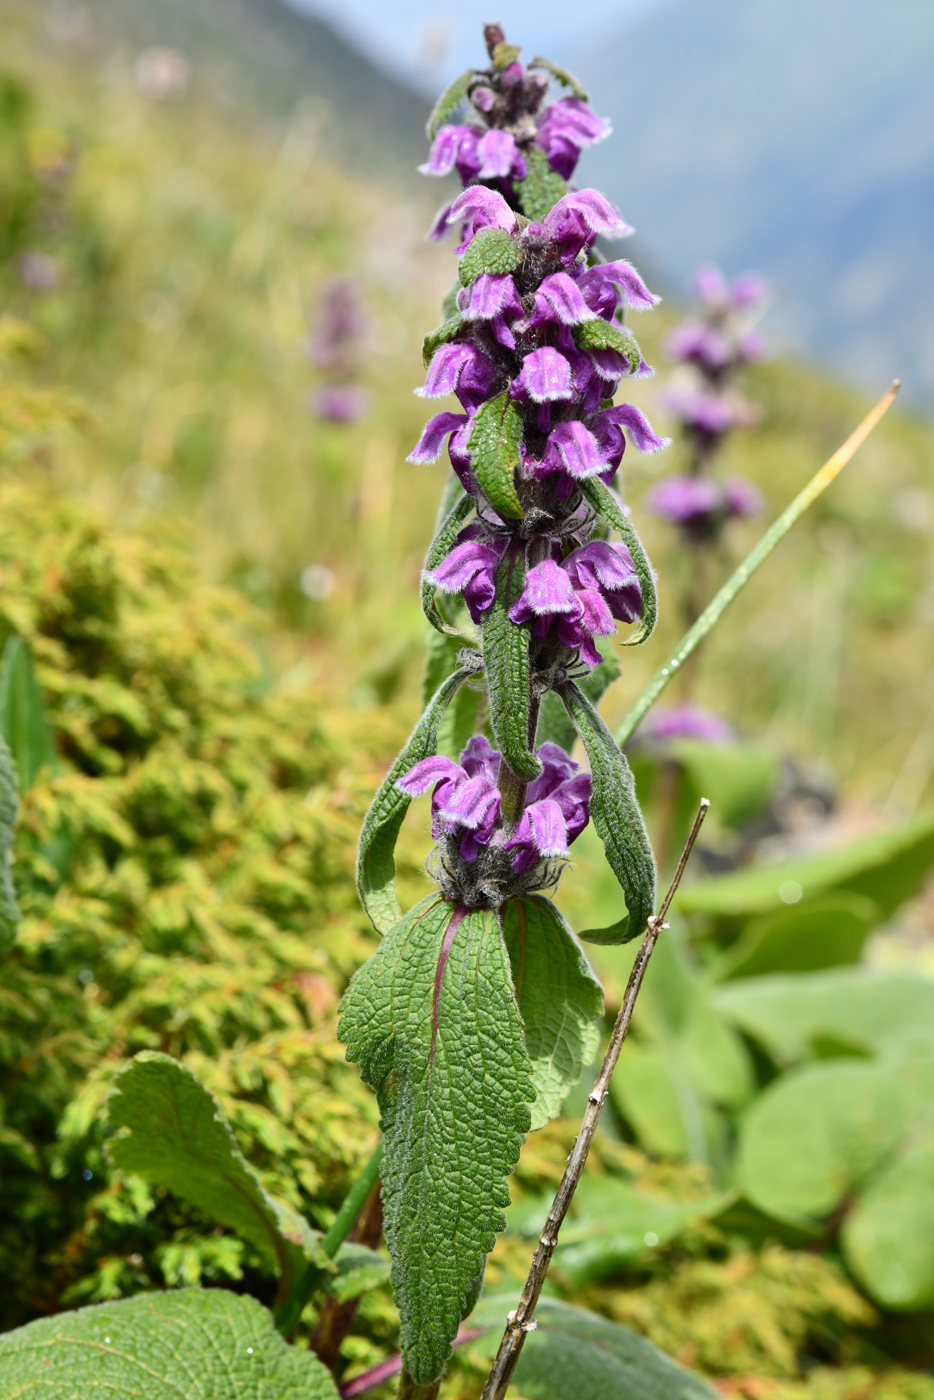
{"x": 520, "y": 1322}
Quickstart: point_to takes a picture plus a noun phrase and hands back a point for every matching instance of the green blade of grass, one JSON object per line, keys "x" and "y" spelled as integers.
{"x": 738, "y": 580}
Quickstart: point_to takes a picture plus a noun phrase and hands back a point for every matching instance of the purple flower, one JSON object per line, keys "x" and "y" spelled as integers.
{"x": 499, "y": 157}
{"x": 559, "y": 299}
{"x": 698, "y": 501}
{"x": 492, "y": 294}
{"x": 335, "y": 348}
{"x": 580, "y": 596}
{"x": 567, "y": 127}
{"x": 470, "y": 570}
{"x": 711, "y": 285}
{"x": 695, "y": 342}
{"x": 428, "y": 448}
{"x": 38, "y": 271}
{"x": 545, "y": 377}
{"x": 482, "y": 208}
{"x": 687, "y": 722}
{"x": 741, "y": 497}
{"x": 598, "y": 285}
{"x": 558, "y": 810}
{"x": 709, "y": 414}
{"x": 573, "y": 449}
{"x": 454, "y": 146}
{"x": 588, "y": 209}
{"x": 461, "y": 369}
{"x": 340, "y": 403}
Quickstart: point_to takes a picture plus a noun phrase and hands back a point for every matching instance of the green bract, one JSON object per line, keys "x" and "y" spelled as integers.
{"x": 495, "y": 453}
{"x": 506, "y": 657}
{"x": 490, "y": 250}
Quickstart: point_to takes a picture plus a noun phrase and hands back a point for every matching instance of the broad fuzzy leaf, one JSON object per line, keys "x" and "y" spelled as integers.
{"x": 490, "y": 250}
{"x": 554, "y": 723}
{"x": 200, "y": 1343}
{"x": 447, "y": 104}
{"x": 175, "y": 1135}
{"x": 23, "y": 720}
{"x": 562, "y": 75}
{"x": 559, "y": 997}
{"x": 606, "y": 335}
{"x": 576, "y": 1355}
{"x": 9, "y": 912}
{"x": 495, "y": 453}
{"x": 506, "y": 658}
{"x": 438, "y": 551}
{"x": 607, "y": 507}
{"x": 376, "y": 866}
{"x": 617, "y": 819}
{"x": 433, "y": 1021}
{"x": 541, "y": 189}
{"x": 441, "y": 335}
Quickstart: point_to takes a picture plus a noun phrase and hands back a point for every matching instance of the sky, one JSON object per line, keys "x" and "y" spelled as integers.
{"x": 427, "y": 43}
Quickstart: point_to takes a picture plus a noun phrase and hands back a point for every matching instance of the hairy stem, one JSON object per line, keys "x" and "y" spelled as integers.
{"x": 513, "y": 788}
{"x": 738, "y": 580}
{"x": 519, "y": 1323}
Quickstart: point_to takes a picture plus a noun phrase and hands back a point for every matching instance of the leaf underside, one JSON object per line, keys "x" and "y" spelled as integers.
{"x": 433, "y": 1021}
{"x": 559, "y": 997}
{"x": 604, "y": 335}
{"x": 506, "y": 658}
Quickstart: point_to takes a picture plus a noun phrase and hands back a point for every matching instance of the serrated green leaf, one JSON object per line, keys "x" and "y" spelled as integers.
{"x": 576, "y": 1355}
{"x": 506, "y": 659}
{"x": 200, "y": 1343}
{"x": 433, "y": 1021}
{"x": 606, "y": 506}
{"x": 617, "y": 820}
{"x": 175, "y": 1135}
{"x": 554, "y": 722}
{"x": 23, "y": 719}
{"x": 566, "y": 79}
{"x": 559, "y": 997}
{"x": 438, "y": 551}
{"x": 376, "y": 866}
{"x": 441, "y": 335}
{"x": 495, "y": 452}
{"x": 490, "y": 250}
{"x": 359, "y": 1270}
{"x": 504, "y": 54}
{"x": 9, "y": 802}
{"x": 448, "y": 103}
{"x": 606, "y": 335}
{"x": 542, "y": 187}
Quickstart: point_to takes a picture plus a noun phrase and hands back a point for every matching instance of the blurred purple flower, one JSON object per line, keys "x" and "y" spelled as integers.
{"x": 687, "y": 722}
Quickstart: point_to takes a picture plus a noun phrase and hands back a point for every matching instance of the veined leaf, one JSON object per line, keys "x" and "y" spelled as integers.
{"x": 606, "y": 335}
{"x": 562, "y": 75}
{"x": 495, "y": 453}
{"x": 617, "y": 819}
{"x": 490, "y": 250}
{"x": 542, "y": 187}
{"x": 441, "y": 335}
{"x": 23, "y": 720}
{"x": 438, "y": 551}
{"x": 576, "y": 1355}
{"x": 200, "y": 1343}
{"x": 433, "y": 1021}
{"x": 175, "y": 1135}
{"x": 607, "y": 507}
{"x": 448, "y": 103}
{"x": 376, "y": 866}
{"x": 9, "y": 912}
{"x": 554, "y": 723}
{"x": 506, "y": 657}
{"x": 559, "y": 997}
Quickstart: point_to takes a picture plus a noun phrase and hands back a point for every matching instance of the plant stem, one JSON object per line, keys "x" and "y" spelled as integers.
{"x": 336, "y": 1319}
{"x": 314, "y": 1275}
{"x": 748, "y": 567}
{"x": 520, "y": 1323}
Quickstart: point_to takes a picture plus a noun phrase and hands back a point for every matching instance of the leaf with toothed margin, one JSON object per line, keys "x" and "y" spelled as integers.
{"x": 376, "y": 866}
{"x": 542, "y": 187}
{"x": 173, "y": 1132}
{"x": 506, "y": 658}
{"x": 491, "y": 250}
{"x": 495, "y": 447}
{"x": 448, "y": 103}
{"x": 562, "y": 75}
{"x": 196, "y": 1343}
{"x": 432, "y": 1020}
{"x": 438, "y": 551}
{"x": 441, "y": 335}
{"x": 604, "y": 335}
{"x": 617, "y": 820}
{"x": 559, "y": 997}
{"x": 607, "y": 507}
{"x": 555, "y": 725}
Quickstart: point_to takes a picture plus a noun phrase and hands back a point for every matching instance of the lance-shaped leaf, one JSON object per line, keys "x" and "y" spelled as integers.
{"x": 174, "y": 1134}
{"x": 376, "y": 865}
{"x": 490, "y": 250}
{"x": 23, "y": 719}
{"x": 542, "y": 187}
{"x": 607, "y": 507}
{"x": 562, "y": 75}
{"x": 495, "y": 453}
{"x": 554, "y": 723}
{"x": 559, "y": 997}
{"x": 448, "y": 103}
{"x": 617, "y": 819}
{"x": 606, "y": 335}
{"x": 433, "y": 1021}
{"x": 9, "y": 912}
{"x": 438, "y": 551}
{"x": 441, "y": 335}
{"x": 506, "y": 658}
{"x": 196, "y": 1343}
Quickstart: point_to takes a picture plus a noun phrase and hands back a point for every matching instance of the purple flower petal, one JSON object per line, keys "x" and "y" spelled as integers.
{"x": 684, "y": 499}
{"x": 688, "y": 722}
{"x": 596, "y": 617}
{"x": 623, "y": 275}
{"x": 547, "y": 591}
{"x": 445, "y": 148}
{"x": 473, "y": 803}
{"x": 573, "y": 797}
{"x": 641, "y": 433}
{"x": 559, "y": 299}
{"x": 600, "y": 564}
{"x": 597, "y": 212}
{"x": 545, "y": 377}
{"x": 486, "y": 208}
{"x": 741, "y": 497}
{"x": 428, "y": 772}
{"x": 428, "y": 448}
{"x": 440, "y": 224}
{"x": 499, "y": 157}
{"x": 540, "y": 832}
{"x": 480, "y": 758}
{"x": 573, "y": 449}
{"x": 748, "y": 289}
{"x": 458, "y": 368}
{"x": 491, "y": 295}
{"x": 711, "y": 286}
{"x": 557, "y": 767}
{"x": 573, "y": 119}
